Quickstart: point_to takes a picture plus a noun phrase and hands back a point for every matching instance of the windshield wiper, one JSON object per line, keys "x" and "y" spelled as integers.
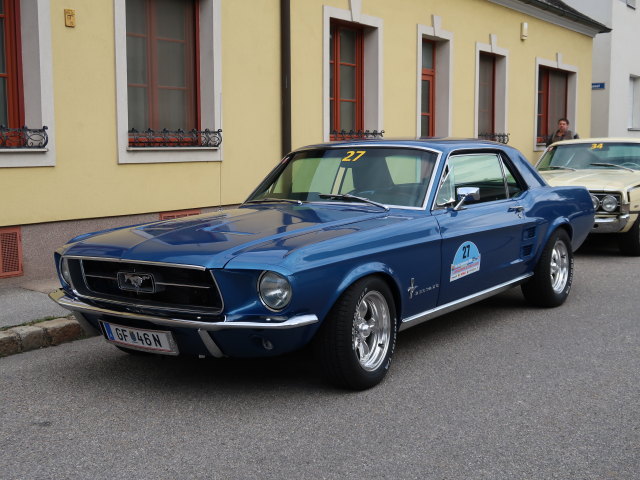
{"x": 559, "y": 167}
{"x": 270, "y": 199}
{"x": 352, "y": 198}
{"x": 612, "y": 165}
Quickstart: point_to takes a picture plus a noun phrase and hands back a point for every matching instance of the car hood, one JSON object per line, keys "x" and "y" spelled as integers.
{"x": 614, "y": 179}
{"x": 213, "y": 240}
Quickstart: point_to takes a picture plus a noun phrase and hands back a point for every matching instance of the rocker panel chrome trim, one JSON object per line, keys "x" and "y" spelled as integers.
{"x": 463, "y": 302}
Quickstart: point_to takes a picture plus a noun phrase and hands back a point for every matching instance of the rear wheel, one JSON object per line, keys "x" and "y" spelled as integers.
{"x": 629, "y": 242}
{"x": 553, "y": 275}
{"x": 356, "y": 341}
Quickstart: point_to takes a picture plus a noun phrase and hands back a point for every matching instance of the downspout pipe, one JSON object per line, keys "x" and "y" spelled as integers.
{"x": 285, "y": 74}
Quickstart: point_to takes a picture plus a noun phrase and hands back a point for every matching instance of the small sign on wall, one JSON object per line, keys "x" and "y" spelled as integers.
{"x": 597, "y": 86}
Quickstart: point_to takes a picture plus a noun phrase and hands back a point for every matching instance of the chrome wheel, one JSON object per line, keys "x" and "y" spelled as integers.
{"x": 559, "y": 270}
{"x": 553, "y": 275}
{"x": 371, "y": 330}
{"x": 356, "y": 341}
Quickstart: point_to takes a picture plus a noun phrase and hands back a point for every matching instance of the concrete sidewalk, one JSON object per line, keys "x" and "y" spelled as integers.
{"x": 28, "y": 302}
{"x": 22, "y": 311}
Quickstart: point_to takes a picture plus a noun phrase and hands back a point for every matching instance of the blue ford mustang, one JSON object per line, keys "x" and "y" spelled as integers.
{"x": 341, "y": 246}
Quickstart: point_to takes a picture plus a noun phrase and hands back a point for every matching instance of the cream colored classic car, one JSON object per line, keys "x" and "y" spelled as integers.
{"x": 610, "y": 169}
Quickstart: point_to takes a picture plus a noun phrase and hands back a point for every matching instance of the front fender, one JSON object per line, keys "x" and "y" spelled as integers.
{"x": 328, "y": 288}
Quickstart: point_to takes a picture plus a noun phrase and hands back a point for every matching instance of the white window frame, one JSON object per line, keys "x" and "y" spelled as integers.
{"x": 634, "y": 103}
{"x": 501, "y": 86}
{"x": 210, "y": 90}
{"x": 37, "y": 74}
{"x": 572, "y": 94}
{"x": 372, "y": 74}
{"x": 443, "y": 81}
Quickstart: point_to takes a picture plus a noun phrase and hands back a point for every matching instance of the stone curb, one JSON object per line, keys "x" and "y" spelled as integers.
{"x": 39, "y": 335}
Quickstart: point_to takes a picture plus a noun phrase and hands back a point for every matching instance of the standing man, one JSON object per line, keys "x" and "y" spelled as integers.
{"x": 563, "y": 132}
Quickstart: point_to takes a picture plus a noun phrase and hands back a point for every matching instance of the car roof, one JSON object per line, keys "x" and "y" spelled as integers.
{"x": 597, "y": 140}
{"x": 443, "y": 144}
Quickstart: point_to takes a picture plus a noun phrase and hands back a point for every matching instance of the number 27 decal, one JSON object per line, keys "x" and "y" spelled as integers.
{"x": 354, "y": 156}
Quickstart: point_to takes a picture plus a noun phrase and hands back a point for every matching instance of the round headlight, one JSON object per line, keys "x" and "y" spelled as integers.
{"x": 275, "y": 290}
{"x": 64, "y": 270}
{"x": 609, "y": 203}
{"x": 595, "y": 201}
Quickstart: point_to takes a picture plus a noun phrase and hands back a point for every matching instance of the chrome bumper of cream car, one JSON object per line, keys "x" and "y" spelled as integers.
{"x": 610, "y": 224}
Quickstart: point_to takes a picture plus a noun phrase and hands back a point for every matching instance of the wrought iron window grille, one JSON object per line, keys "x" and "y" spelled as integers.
{"x": 495, "y": 137}
{"x": 175, "y": 138}
{"x": 23, "y": 137}
{"x": 352, "y": 134}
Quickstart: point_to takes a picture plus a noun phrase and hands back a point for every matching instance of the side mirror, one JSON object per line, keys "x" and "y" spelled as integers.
{"x": 463, "y": 193}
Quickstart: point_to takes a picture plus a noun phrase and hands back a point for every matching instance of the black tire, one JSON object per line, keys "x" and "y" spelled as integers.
{"x": 553, "y": 275}
{"x": 629, "y": 242}
{"x": 356, "y": 341}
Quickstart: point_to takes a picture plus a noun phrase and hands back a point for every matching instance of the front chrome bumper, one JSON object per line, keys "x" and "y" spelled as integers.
{"x": 610, "y": 224}
{"x": 269, "y": 323}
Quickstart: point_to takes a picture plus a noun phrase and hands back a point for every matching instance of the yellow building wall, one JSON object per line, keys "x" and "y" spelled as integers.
{"x": 88, "y": 182}
{"x": 470, "y": 22}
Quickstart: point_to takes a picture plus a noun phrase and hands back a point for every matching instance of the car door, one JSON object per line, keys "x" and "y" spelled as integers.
{"x": 484, "y": 235}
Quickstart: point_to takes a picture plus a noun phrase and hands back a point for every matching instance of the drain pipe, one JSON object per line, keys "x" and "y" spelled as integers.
{"x": 285, "y": 73}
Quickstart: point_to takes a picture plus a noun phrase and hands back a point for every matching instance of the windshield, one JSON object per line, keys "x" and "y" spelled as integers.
{"x": 389, "y": 176}
{"x": 578, "y": 156}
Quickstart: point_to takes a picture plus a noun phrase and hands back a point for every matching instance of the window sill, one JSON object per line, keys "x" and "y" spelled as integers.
{"x": 169, "y": 149}
{"x": 23, "y": 150}
{"x": 633, "y": 129}
{"x": 26, "y": 157}
{"x": 131, "y": 155}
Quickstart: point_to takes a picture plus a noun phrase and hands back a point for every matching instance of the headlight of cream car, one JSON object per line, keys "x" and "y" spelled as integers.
{"x": 275, "y": 290}
{"x": 609, "y": 203}
{"x": 595, "y": 202}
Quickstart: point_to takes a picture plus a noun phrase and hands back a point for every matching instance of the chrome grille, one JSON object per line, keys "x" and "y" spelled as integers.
{"x": 146, "y": 285}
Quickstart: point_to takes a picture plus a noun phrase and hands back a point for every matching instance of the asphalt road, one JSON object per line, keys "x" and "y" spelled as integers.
{"x": 495, "y": 391}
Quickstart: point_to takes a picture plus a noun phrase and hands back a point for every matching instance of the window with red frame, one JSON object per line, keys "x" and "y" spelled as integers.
{"x": 552, "y": 101}
{"x": 428, "y": 88}
{"x": 11, "y": 96}
{"x": 162, "y": 67}
{"x": 346, "y": 89}
{"x": 486, "y": 93}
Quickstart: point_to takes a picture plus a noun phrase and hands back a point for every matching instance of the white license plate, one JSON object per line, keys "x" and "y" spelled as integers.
{"x": 151, "y": 340}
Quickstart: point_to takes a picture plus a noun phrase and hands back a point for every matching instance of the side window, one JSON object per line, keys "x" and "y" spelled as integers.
{"x": 514, "y": 189}
{"x": 485, "y": 171}
{"x": 446, "y": 192}
{"x": 480, "y": 170}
